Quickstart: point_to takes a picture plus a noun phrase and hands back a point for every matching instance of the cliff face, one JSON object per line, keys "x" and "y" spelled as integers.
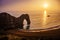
{"x": 10, "y": 22}
{"x": 6, "y": 21}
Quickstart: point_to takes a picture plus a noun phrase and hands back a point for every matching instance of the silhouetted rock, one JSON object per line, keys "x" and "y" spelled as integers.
{"x": 10, "y": 22}
{"x": 6, "y": 21}
{"x": 21, "y": 19}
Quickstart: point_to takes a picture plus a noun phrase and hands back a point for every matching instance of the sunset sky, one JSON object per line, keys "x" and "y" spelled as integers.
{"x": 30, "y": 4}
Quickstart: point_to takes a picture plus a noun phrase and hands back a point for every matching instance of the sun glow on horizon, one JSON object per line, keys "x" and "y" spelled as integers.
{"x": 45, "y": 5}
{"x": 45, "y": 14}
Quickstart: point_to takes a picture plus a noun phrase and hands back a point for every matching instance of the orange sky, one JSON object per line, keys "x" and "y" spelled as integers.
{"x": 34, "y": 5}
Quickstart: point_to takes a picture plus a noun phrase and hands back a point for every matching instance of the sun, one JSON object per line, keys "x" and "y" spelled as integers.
{"x": 45, "y": 5}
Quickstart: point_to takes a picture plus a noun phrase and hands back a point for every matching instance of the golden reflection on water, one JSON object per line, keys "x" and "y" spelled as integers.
{"x": 44, "y": 18}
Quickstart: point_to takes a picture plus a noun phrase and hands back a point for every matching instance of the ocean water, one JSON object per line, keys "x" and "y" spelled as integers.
{"x": 39, "y": 20}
